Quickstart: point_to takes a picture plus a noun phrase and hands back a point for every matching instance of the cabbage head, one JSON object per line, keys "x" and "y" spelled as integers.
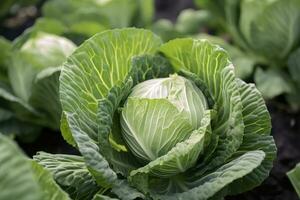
{"x": 158, "y": 121}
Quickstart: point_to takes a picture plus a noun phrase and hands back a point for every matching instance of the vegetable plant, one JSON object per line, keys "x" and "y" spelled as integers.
{"x": 268, "y": 34}
{"x": 29, "y": 83}
{"x": 155, "y": 120}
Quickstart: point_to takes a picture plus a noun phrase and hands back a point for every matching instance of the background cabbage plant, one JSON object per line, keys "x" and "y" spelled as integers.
{"x": 157, "y": 120}
{"x": 267, "y": 35}
{"x": 29, "y": 83}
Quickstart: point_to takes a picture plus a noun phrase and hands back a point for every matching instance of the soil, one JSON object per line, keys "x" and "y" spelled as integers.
{"x": 286, "y": 126}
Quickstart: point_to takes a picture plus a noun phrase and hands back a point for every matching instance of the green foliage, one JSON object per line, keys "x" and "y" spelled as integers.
{"x": 267, "y": 32}
{"x": 79, "y": 20}
{"x": 9, "y": 6}
{"x": 294, "y": 176}
{"x": 141, "y": 138}
{"x": 24, "y": 179}
{"x": 29, "y": 90}
{"x": 188, "y": 23}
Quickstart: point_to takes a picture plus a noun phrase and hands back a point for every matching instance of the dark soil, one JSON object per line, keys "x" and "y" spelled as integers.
{"x": 48, "y": 141}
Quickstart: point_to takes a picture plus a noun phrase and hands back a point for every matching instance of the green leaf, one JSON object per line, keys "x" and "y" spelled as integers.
{"x": 51, "y": 191}
{"x": 87, "y": 28}
{"x": 45, "y": 96}
{"x": 103, "y": 197}
{"x": 65, "y": 131}
{"x": 70, "y": 172}
{"x": 207, "y": 186}
{"x": 107, "y": 13}
{"x": 257, "y": 130}
{"x": 48, "y": 25}
{"x": 251, "y": 142}
{"x": 23, "y": 179}
{"x": 73, "y": 11}
{"x": 120, "y": 13}
{"x": 272, "y": 82}
{"x": 210, "y": 63}
{"x": 96, "y": 66}
{"x": 145, "y": 13}
{"x": 274, "y": 27}
{"x": 294, "y": 176}
{"x": 96, "y": 164}
{"x": 191, "y": 21}
{"x": 179, "y": 159}
{"x": 243, "y": 62}
{"x": 232, "y": 16}
{"x": 16, "y": 177}
{"x": 124, "y": 191}
{"x": 256, "y": 117}
{"x": 165, "y": 29}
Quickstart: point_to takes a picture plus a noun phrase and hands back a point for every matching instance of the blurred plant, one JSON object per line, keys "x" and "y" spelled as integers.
{"x": 79, "y": 20}
{"x": 294, "y": 176}
{"x": 29, "y": 83}
{"x": 24, "y": 179}
{"x": 188, "y": 23}
{"x": 11, "y": 6}
{"x": 198, "y": 24}
{"x": 268, "y": 33}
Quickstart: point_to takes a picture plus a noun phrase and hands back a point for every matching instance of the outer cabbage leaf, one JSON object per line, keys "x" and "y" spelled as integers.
{"x": 46, "y": 89}
{"x": 22, "y": 179}
{"x": 274, "y": 27}
{"x": 97, "y": 164}
{"x": 17, "y": 179}
{"x": 93, "y": 69}
{"x": 242, "y": 61}
{"x": 49, "y": 188}
{"x": 207, "y": 186}
{"x": 257, "y": 130}
{"x": 70, "y": 172}
{"x": 272, "y": 82}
